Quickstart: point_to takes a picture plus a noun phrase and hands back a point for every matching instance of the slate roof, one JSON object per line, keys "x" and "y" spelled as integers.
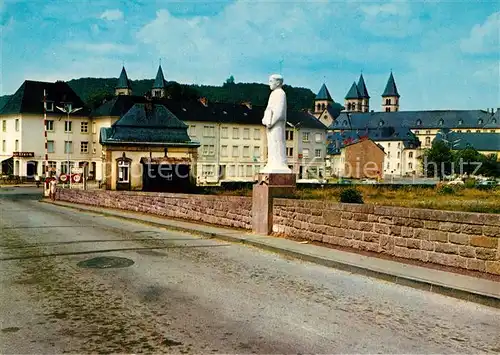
{"x": 390, "y": 88}
{"x": 123, "y": 81}
{"x": 324, "y": 94}
{"x": 418, "y": 120}
{"x": 478, "y": 141}
{"x": 214, "y": 112}
{"x": 151, "y": 124}
{"x": 363, "y": 91}
{"x": 338, "y": 140}
{"x": 353, "y": 92}
{"x": 334, "y": 109}
{"x": 160, "y": 82}
{"x": 29, "y": 98}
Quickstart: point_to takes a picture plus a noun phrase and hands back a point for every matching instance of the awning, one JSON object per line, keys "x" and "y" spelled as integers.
{"x": 6, "y": 158}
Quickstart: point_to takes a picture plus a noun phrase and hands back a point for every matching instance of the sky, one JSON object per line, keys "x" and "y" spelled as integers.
{"x": 443, "y": 54}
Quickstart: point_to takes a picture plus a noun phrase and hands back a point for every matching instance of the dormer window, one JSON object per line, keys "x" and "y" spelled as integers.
{"x": 344, "y": 123}
{"x": 480, "y": 121}
{"x": 419, "y": 122}
{"x": 184, "y": 109}
{"x": 460, "y": 122}
{"x": 49, "y": 106}
{"x": 494, "y": 120}
{"x": 381, "y": 123}
{"x": 441, "y": 122}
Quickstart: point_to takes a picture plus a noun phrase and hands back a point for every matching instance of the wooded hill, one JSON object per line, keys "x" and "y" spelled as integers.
{"x": 94, "y": 90}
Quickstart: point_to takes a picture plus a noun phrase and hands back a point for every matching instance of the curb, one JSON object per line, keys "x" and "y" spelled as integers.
{"x": 409, "y": 281}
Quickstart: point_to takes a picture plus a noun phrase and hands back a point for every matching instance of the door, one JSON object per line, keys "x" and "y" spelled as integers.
{"x": 31, "y": 170}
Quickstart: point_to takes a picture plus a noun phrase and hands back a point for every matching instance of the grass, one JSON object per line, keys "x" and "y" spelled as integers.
{"x": 452, "y": 199}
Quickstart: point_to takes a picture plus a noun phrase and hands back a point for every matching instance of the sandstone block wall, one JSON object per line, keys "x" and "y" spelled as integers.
{"x": 227, "y": 211}
{"x": 464, "y": 240}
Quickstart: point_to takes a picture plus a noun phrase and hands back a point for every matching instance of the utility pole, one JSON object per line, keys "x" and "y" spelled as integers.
{"x": 46, "y": 158}
{"x": 67, "y": 111}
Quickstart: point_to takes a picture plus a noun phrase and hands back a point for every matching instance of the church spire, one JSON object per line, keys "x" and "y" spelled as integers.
{"x": 390, "y": 97}
{"x": 363, "y": 93}
{"x": 123, "y": 86}
{"x": 160, "y": 85}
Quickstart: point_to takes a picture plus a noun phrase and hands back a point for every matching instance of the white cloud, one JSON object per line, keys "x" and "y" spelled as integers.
{"x": 488, "y": 73}
{"x": 100, "y": 48}
{"x": 112, "y": 15}
{"x": 483, "y": 38}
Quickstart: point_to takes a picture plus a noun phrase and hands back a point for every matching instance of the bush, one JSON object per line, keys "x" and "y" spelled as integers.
{"x": 351, "y": 195}
{"x": 446, "y": 190}
{"x": 470, "y": 183}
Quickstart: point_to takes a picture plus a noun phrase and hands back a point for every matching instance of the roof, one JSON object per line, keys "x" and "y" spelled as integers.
{"x": 29, "y": 98}
{"x": 147, "y": 124}
{"x": 338, "y": 140}
{"x": 418, "y": 120}
{"x": 363, "y": 91}
{"x": 193, "y": 110}
{"x": 390, "y": 88}
{"x": 478, "y": 141}
{"x": 160, "y": 82}
{"x": 334, "y": 109}
{"x": 123, "y": 81}
{"x": 353, "y": 92}
{"x": 323, "y": 94}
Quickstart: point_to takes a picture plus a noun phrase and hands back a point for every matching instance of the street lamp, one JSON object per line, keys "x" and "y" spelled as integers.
{"x": 67, "y": 110}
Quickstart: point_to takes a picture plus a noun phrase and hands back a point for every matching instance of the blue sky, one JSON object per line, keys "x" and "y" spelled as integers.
{"x": 444, "y": 54}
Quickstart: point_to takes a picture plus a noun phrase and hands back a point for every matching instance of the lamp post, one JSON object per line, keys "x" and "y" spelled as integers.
{"x": 67, "y": 110}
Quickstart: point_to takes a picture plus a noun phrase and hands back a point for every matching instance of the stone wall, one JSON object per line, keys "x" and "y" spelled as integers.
{"x": 459, "y": 239}
{"x": 226, "y": 211}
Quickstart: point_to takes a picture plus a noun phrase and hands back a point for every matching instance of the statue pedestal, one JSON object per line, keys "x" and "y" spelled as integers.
{"x": 267, "y": 187}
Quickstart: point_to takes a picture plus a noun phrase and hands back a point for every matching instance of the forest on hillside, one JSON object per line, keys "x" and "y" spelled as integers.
{"x": 94, "y": 90}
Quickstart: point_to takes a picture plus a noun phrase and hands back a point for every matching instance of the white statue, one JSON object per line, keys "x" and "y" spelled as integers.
{"x": 275, "y": 121}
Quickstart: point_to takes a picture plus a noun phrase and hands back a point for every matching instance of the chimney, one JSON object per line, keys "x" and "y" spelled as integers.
{"x": 203, "y": 101}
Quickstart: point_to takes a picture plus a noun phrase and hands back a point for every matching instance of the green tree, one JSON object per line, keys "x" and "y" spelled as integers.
{"x": 229, "y": 81}
{"x": 97, "y": 98}
{"x": 438, "y": 160}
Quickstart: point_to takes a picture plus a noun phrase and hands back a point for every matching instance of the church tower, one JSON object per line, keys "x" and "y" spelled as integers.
{"x": 322, "y": 100}
{"x": 390, "y": 97}
{"x": 123, "y": 86}
{"x": 160, "y": 85}
{"x": 353, "y": 100}
{"x": 363, "y": 93}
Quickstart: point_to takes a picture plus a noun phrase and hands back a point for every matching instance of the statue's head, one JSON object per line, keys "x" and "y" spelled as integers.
{"x": 275, "y": 81}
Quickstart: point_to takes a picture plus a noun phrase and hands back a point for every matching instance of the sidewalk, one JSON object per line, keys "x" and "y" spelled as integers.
{"x": 468, "y": 288}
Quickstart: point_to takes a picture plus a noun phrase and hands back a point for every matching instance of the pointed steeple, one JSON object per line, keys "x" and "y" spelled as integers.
{"x": 324, "y": 94}
{"x": 362, "y": 88}
{"x": 123, "y": 82}
{"x": 160, "y": 82}
{"x": 353, "y": 92}
{"x": 390, "y": 89}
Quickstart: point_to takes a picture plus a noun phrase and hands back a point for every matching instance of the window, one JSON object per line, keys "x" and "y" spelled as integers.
{"x": 419, "y": 122}
{"x": 4, "y": 145}
{"x": 49, "y": 125}
{"x": 459, "y": 131}
{"x": 123, "y": 171}
{"x": 289, "y": 135}
{"x": 289, "y": 152}
{"x": 492, "y": 131}
{"x": 478, "y": 131}
{"x": 84, "y": 127}
{"x": 441, "y": 122}
{"x": 224, "y": 133}
{"x": 50, "y": 147}
{"x": 49, "y": 106}
{"x": 427, "y": 140}
{"x": 209, "y": 149}
{"x": 398, "y": 166}
{"x": 381, "y": 123}
{"x": 246, "y": 133}
{"x": 235, "y": 151}
{"x": 94, "y": 128}
{"x": 410, "y": 155}
{"x": 94, "y": 149}
{"x": 399, "y": 144}
{"x": 208, "y": 170}
{"x": 460, "y": 122}
{"x": 388, "y": 166}
{"x": 387, "y": 109}
{"x": 246, "y": 151}
{"x": 317, "y": 153}
{"x": 223, "y": 151}
{"x": 17, "y": 124}
{"x": 4, "y": 125}
{"x": 480, "y": 121}
{"x": 192, "y": 130}
{"x": 305, "y": 136}
{"x": 399, "y": 155}
{"x": 318, "y": 137}
{"x": 68, "y": 146}
{"x": 236, "y": 133}
{"x": 256, "y": 152}
{"x": 256, "y": 133}
{"x": 410, "y": 165}
{"x": 388, "y": 145}
{"x": 52, "y": 165}
{"x": 305, "y": 153}
{"x": 208, "y": 131}
{"x": 249, "y": 170}
{"x": 387, "y": 101}
{"x": 417, "y": 132}
{"x": 67, "y": 126}
{"x": 427, "y": 132}
{"x": 84, "y": 147}
{"x": 16, "y": 145}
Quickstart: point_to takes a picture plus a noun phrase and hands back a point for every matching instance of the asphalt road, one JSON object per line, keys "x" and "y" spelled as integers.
{"x": 185, "y": 294}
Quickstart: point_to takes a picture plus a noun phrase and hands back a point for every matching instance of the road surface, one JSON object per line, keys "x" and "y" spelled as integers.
{"x": 185, "y": 294}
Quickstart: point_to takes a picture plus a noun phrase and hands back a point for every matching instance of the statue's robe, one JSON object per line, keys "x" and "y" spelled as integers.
{"x": 275, "y": 121}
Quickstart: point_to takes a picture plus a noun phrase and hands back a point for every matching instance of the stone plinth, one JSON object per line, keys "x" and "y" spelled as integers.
{"x": 267, "y": 187}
